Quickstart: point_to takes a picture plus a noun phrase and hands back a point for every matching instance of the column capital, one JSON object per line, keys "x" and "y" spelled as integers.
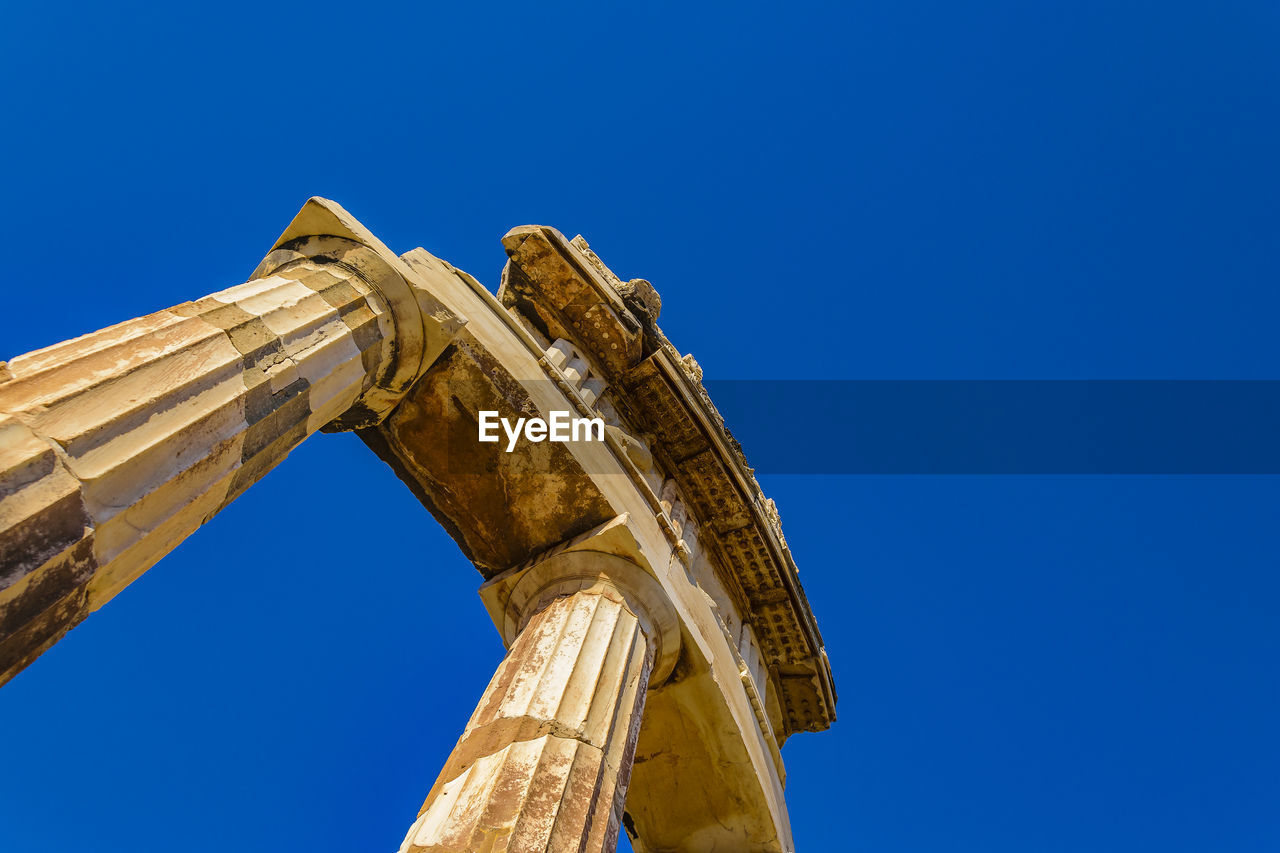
{"x": 606, "y": 561}
{"x": 324, "y": 232}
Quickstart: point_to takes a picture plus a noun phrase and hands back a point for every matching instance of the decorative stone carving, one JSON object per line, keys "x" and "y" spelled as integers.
{"x": 684, "y": 525}
{"x": 661, "y": 394}
{"x": 574, "y": 368}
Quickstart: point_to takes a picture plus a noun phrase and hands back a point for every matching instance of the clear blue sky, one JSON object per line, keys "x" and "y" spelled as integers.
{"x": 870, "y": 191}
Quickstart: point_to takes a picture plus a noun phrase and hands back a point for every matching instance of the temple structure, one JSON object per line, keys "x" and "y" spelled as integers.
{"x": 660, "y": 647}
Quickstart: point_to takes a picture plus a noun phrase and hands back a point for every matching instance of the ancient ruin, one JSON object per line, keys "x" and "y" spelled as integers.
{"x": 661, "y": 649}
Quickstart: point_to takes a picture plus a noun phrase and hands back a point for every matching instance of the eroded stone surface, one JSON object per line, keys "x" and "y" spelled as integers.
{"x": 116, "y": 446}
{"x": 563, "y": 290}
{"x": 563, "y": 320}
{"x": 544, "y": 761}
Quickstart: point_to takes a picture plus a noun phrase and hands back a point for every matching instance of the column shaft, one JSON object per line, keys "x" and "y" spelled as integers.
{"x": 544, "y": 762}
{"x": 116, "y": 446}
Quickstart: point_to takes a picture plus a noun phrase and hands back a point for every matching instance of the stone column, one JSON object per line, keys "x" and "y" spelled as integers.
{"x": 544, "y": 762}
{"x": 116, "y": 446}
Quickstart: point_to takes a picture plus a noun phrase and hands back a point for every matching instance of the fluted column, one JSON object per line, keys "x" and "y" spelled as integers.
{"x": 116, "y": 446}
{"x": 544, "y": 762}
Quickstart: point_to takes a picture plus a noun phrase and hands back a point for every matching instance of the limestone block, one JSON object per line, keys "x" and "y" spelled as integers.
{"x": 46, "y": 547}
{"x": 531, "y": 795}
{"x": 559, "y": 353}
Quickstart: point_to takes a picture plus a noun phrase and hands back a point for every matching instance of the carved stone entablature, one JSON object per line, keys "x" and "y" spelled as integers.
{"x": 569, "y": 299}
{"x": 563, "y": 291}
